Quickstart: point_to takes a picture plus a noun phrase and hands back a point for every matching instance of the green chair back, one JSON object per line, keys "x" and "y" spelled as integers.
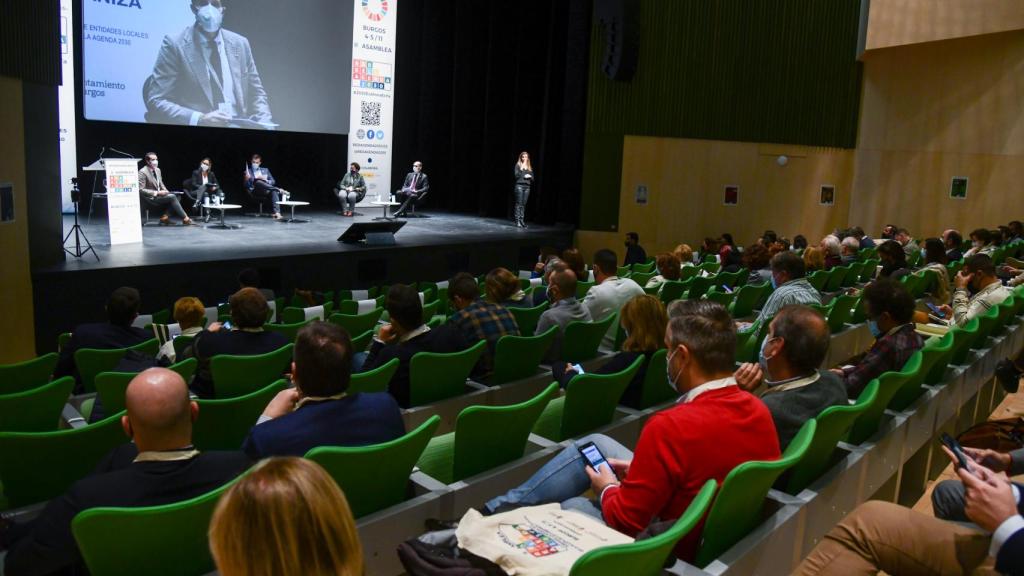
{"x": 361, "y": 342}
{"x": 356, "y": 324}
{"x": 375, "y": 477}
{"x": 723, "y": 298}
{"x": 351, "y": 307}
{"x": 869, "y": 270}
{"x": 850, "y": 280}
{"x": 517, "y": 357}
{"x": 889, "y": 384}
{"x": 746, "y": 299}
{"x": 235, "y": 376}
{"x": 675, "y": 289}
{"x": 582, "y": 339}
{"x": 181, "y": 343}
{"x": 732, "y": 279}
{"x": 582, "y": 287}
{"x": 818, "y": 279}
{"x": 375, "y": 380}
{"x": 700, "y": 286}
{"x": 748, "y": 342}
{"x": 435, "y": 376}
{"x": 860, "y": 313}
{"x": 296, "y": 315}
{"x": 833, "y": 425}
{"x": 687, "y": 272}
{"x": 167, "y": 540}
{"x": 429, "y": 309}
{"x": 39, "y": 466}
{"x": 1006, "y": 309}
{"x": 987, "y": 323}
{"x": 24, "y": 376}
{"x": 645, "y": 557}
{"x": 644, "y": 268}
{"x": 642, "y": 278}
{"x": 588, "y": 404}
{"x": 526, "y": 318}
{"x": 942, "y": 348}
{"x": 224, "y": 424}
{"x": 836, "y": 277}
{"x": 911, "y": 388}
{"x": 656, "y": 389}
{"x": 710, "y": 267}
{"x": 738, "y": 507}
{"x": 36, "y": 410}
{"x": 111, "y": 386}
{"x": 963, "y": 338}
{"x": 841, "y": 312}
{"x": 291, "y": 331}
{"x": 91, "y": 361}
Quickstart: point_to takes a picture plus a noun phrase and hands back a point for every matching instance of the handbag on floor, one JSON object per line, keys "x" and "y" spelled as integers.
{"x": 999, "y": 435}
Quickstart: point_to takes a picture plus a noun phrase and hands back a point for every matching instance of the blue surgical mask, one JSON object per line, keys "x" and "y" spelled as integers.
{"x": 924, "y": 254}
{"x": 875, "y": 330}
{"x": 775, "y": 283}
{"x": 762, "y": 360}
{"x": 209, "y": 18}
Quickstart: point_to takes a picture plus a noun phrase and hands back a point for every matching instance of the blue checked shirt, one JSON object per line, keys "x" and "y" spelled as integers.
{"x": 797, "y": 291}
{"x": 483, "y": 320}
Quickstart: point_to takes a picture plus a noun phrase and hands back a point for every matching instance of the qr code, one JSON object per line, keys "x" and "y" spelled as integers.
{"x": 370, "y": 113}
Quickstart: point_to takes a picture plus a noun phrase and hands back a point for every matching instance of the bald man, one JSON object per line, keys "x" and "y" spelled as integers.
{"x": 159, "y": 467}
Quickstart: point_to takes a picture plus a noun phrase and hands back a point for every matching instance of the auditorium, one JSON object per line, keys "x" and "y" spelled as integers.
{"x": 574, "y": 287}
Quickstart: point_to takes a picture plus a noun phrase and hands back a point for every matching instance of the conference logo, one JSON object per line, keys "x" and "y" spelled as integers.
{"x": 360, "y": 133}
{"x": 375, "y": 10}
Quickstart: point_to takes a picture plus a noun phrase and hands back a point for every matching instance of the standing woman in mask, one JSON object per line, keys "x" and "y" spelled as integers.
{"x": 351, "y": 190}
{"x": 524, "y": 181}
{"x": 204, "y": 184}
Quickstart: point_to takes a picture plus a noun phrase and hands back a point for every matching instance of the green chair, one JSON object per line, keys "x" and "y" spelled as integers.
{"x": 987, "y": 323}
{"x": 818, "y": 279}
{"x": 645, "y": 557}
{"x": 39, "y": 466}
{"x": 709, "y": 259}
{"x": 700, "y": 286}
{"x": 91, "y": 361}
{"x": 867, "y": 273}
{"x": 24, "y": 376}
{"x": 748, "y": 342}
{"x": 429, "y": 309}
{"x": 62, "y": 340}
{"x": 372, "y": 292}
{"x": 963, "y": 338}
{"x": 622, "y": 271}
{"x": 375, "y": 380}
{"x": 235, "y": 376}
{"x": 182, "y": 343}
{"x": 860, "y": 313}
{"x": 517, "y": 357}
{"x": 833, "y": 425}
{"x": 856, "y": 269}
{"x": 485, "y": 437}
{"x": 841, "y": 312}
{"x": 889, "y": 384}
{"x": 526, "y": 318}
{"x": 675, "y": 289}
{"x": 913, "y": 258}
{"x": 582, "y": 287}
{"x": 746, "y": 299}
{"x": 731, "y": 279}
{"x": 224, "y": 424}
{"x": 436, "y": 322}
{"x": 656, "y": 389}
{"x": 581, "y": 339}
{"x": 435, "y": 376}
{"x": 295, "y": 315}
{"x": 710, "y": 267}
{"x": 911, "y": 389}
{"x": 687, "y": 272}
{"x": 357, "y": 323}
{"x": 351, "y": 307}
{"x": 645, "y": 268}
{"x": 723, "y": 298}
{"x": 375, "y": 477}
{"x": 111, "y": 386}
{"x": 589, "y": 403}
{"x": 168, "y": 540}
{"x": 942, "y": 348}
{"x": 836, "y": 278}
{"x": 291, "y": 331}
{"x": 361, "y": 342}
{"x": 1006, "y": 309}
{"x": 738, "y": 507}
{"x": 642, "y": 278}
{"x": 36, "y": 410}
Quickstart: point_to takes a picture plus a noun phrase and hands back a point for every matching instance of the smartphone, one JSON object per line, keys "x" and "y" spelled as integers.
{"x": 227, "y": 325}
{"x": 726, "y": 289}
{"x": 578, "y": 369}
{"x": 935, "y": 310}
{"x": 962, "y": 461}
{"x": 593, "y": 456}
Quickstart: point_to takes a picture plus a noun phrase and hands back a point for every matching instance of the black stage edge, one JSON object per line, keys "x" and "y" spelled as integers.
{"x": 203, "y": 261}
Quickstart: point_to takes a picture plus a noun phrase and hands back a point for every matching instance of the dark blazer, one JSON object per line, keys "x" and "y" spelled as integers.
{"x": 442, "y": 339}
{"x": 792, "y": 408}
{"x": 180, "y": 83}
{"x": 197, "y": 179}
{"x": 150, "y": 185}
{"x": 250, "y": 182}
{"x": 520, "y": 176}
{"x": 422, "y": 183}
{"x": 954, "y": 255}
{"x": 234, "y": 342}
{"x": 635, "y": 255}
{"x": 45, "y": 545}
{"x": 618, "y": 363}
{"x": 104, "y": 336}
{"x": 356, "y": 420}
{"x": 1010, "y": 558}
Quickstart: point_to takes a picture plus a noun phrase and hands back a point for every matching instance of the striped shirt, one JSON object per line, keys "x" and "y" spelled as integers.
{"x": 966, "y": 307}
{"x": 797, "y": 291}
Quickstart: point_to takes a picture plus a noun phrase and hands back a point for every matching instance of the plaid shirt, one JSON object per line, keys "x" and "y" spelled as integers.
{"x": 889, "y": 353}
{"x": 483, "y": 320}
{"x": 797, "y": 291}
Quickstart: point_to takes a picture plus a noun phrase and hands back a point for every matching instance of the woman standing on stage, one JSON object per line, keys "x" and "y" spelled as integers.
{"x": 524, "y": 180}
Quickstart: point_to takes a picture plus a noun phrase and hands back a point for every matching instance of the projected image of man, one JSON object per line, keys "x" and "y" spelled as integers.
{"x": 206, "y": 76}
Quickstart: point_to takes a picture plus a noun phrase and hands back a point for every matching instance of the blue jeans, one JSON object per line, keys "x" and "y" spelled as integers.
{"x": 358, "y": 359}
{"x": 563, "y": 479}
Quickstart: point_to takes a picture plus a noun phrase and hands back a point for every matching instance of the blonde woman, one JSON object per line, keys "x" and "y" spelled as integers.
{"x": 524, "y": 182}
{"x": 286, "y": 516}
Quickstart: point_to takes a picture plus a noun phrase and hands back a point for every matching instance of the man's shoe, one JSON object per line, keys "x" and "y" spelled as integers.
{"x": 276, "y": 216}
{"x": 1008, "y": 375}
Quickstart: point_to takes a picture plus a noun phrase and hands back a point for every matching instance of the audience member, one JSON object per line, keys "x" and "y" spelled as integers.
{"x": 406, "y": 335}
{"x": 246, "y": 337}
{"x": 999, "y": 235}
{"x": 685, "y": 255}
{"x": 948, "y": 497}
{"x": 318, "y": 411}
{"x": 977, "y": 288}
{"x": 952, "y": 241}
{"x": 668, "y": 269}
{"x": 250, "y": 278}
{"x": 709, "y": 247}
{"x": 893, "y": 260}
{"x": 117, "y": 332}
{"x": 541, "y": 296}
{"x": 850, "y": 247}
{"x": 189, "y": 314}
{"x": 814, "y": 259}
{"x": 160, "y": 466}
{"x": 934, "y": 256}
{"x": 547, "y": 253}
{"x": 635, "y": 253}
{"x": 890, "y": 312}
{"x": 477, "y": 319}
{"x": 610, "y": 293}
{"x": 564, "y": 309}
{"x": 1016, "y": 231}
{"x": 864, "y": 240}
{"x": 790, "y": 286}
{"x": 769, "y": 237}
{"x": 287, "y": 516}
{"x": 889, "y": 232}
{"x": 502, "y": 287}
{"x": 799, "y": 242}
{"x": 758, "y": 262}
{"x": 574, "y": 260}
{"x": 907, "y": 242}
{"x": 832, "y": 250}
{"x": 714, "y": 427}
{"x": 981, "y": 243}
{"x": 728, "y": 254}
{"x": 644, "y": 320}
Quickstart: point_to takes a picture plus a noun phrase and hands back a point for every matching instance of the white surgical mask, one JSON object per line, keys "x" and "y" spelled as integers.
{"x": 255, "y": 165}
{"x": 416, "y": 168}
{"x": 154, "y": 163}
{"x": 209, "y": 18}
{"x": 204, "y": 167}
{"x": 668, "y": 370}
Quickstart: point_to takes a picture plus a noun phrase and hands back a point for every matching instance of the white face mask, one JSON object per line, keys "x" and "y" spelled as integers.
{"x": 204, "y": 167}
{"x": 416, "y": 168}
{"x": 255, "y": 165}
{"x": 154, "y": 163}
{"x": 209, "y": 18}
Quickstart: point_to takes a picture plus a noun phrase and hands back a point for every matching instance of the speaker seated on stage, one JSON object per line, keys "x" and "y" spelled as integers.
{"x": 156, "y": 196}
{"x": 260, "y": 184}
{"x": 203, "y": 184}
{"x": 414, "y": 189}
{"x": 350, "y": 190}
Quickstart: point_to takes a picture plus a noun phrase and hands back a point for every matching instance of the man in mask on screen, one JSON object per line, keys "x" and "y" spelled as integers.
{"x": 206, "y": 76}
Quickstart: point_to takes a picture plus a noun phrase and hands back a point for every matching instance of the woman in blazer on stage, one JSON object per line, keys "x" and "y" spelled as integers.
{"x": 524, "y": 181}
{"x": 204, "y": 183}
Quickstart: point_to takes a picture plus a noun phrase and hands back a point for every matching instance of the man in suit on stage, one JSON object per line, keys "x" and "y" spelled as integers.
{"x": 414, "y": 188}
{"x": 206, "y": 76}
{"x": 261, "y": 184}
{"x": 155, "y": 195}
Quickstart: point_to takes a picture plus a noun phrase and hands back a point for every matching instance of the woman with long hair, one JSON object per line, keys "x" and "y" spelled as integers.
{"x": 524, "y": 181}
{"x": 286, "y": 516}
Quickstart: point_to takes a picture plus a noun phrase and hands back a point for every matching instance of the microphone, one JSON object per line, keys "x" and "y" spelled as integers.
{"x": 125, "y": 154}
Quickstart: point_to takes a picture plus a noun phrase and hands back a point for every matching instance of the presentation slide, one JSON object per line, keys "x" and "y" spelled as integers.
{"x": 257, "y": 64}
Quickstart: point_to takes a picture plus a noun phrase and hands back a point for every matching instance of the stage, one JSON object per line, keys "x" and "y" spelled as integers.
{"x": 203, "y": 261}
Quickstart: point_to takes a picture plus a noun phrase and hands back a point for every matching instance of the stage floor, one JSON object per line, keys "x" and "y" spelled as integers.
{"x": 267, "y": 238}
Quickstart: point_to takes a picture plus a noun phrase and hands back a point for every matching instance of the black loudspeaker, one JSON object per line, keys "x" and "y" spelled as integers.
{"x": 620, "y": 23}
{"x": 372, "y": 233}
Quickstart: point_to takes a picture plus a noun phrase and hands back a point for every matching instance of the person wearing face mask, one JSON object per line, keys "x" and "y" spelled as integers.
{"x": 890, "y": 312}
{"x": 261, "y": 184}
{"x": 981, "y": 243}
{"x": 565, "y": 308}
{"x": 415, "y": 187}
{"x": 789, "y": 284}
{"x": 977, "y": 288}
{"x": 713, "y": 428}
{"x": 204, "y": 185}
{"x": 206, "y": 76}
{"x": 156, "y": 196}
{"x": 350, "y": 190}
{"x": 788, "y": 365}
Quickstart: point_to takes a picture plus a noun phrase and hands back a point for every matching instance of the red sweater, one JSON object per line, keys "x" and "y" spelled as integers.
{"x": 680, "y": 449}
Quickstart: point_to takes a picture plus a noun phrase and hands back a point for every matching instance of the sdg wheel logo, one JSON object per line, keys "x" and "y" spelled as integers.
{"x": 375, "y": 10}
